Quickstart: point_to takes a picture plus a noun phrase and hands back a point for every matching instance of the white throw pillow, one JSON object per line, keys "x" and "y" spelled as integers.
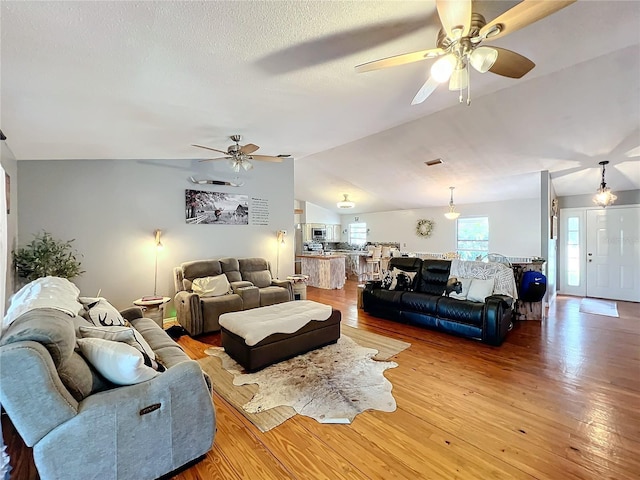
{"x": 466, "y": 283}
{"x": 128, "y": 335}
{"x": 480, "y": 289}
{"x": 211, "y": 286}
{"x": 117, "y": 362}
{"x": 394, "y": 281}
{"x": 102, "y": 314}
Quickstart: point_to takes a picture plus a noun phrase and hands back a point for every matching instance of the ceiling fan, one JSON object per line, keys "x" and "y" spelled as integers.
{"x": 459, "y": 45}
{"x": 240, "y": 155}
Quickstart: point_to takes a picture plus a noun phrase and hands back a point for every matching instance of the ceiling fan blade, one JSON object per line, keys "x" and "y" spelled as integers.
{"x": 212, "y": 159}
{"x": 209, "y": 148}
{"x": 399, "y": 60}
{"x": 523, "y": 14}
{"x": 455, "y": 16}
{"x": 249, "y": 148}
{"x": 266, "y": 158}
{"x": 426, "y": 90}
{"x": 511, "y": 64}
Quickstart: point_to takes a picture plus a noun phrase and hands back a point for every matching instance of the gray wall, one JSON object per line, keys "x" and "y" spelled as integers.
{"x": 10, "y": 166}
{"x": 112, "y": 207}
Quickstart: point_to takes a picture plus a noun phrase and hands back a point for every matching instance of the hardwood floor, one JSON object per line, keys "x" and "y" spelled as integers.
{"x": 558, "y": 400}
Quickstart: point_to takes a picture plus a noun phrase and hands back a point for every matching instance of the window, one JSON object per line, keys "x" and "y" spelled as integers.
{"x": 573, "y": 251}
{"x": 357, "y": 233}
{"x": 473, "y": 237}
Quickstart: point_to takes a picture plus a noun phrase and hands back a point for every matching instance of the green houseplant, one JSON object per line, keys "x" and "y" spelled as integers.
{"x": 45, "y": 256}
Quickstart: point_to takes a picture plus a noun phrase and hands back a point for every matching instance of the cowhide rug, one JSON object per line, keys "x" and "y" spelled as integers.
{"x": 331, "y": 384}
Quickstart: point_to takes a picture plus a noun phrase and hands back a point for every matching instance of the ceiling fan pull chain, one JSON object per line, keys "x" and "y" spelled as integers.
{"x": 468, "y": 86}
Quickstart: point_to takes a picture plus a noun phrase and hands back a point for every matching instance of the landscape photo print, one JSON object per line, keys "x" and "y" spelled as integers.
{"x": 216, "y": 208}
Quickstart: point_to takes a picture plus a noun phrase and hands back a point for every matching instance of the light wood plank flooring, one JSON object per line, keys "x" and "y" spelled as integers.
{"x": 558, "y": 400}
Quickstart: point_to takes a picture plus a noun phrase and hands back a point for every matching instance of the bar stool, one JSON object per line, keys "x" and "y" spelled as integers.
{"x": 373, "y": 264}
{"x": 386, "y": 257}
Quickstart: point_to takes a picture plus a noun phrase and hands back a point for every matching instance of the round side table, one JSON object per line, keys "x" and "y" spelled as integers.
{"x": 153, "y": 309}
{"x": 299, "y": 286}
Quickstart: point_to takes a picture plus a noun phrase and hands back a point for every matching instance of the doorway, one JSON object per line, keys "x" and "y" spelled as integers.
{"x": 600, "y": 254}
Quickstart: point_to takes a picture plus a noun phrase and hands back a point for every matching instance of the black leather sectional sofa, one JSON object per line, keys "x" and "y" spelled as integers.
{"x": 424, "y": 304}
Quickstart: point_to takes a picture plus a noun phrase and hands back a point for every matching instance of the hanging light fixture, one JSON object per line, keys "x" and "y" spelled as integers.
{"x": 345, "y": 203}
{"x": 452, "y": 214}
{"x": 604, "y": 197}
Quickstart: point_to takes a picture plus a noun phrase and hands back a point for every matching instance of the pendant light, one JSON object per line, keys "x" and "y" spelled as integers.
{"x": 604, "y": 197}
{"x": 345, "y": 203}
{"x": 452, "y": 214}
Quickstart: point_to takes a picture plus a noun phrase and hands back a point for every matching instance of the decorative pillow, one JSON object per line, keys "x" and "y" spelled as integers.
{"x": 401, "y": 280}
{"x": 480, "y": 289}
{"x": 117, "y": 362}
{"x": 211, "y": 286}
{"x": 128, "y": 335}
{"x": 102, "y": 314}
{"x": 387, "y": 278}
{"x": 466, "y": 283}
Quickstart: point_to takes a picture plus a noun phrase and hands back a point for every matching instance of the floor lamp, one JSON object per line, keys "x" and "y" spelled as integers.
{"x": 159, "y": 247}
{"x": 280, "y": 239}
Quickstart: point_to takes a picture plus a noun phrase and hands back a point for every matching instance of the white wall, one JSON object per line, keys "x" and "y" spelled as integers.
{"x": 315, "y": 214}
{"x": 514, "y": 227}
{"x": 112, "y": 207}
{"x": 9, "y": 164}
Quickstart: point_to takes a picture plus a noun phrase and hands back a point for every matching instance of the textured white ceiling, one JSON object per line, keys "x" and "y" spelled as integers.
{"x": 144, "y": 80}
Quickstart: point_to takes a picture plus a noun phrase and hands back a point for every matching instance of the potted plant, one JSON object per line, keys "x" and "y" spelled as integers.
{"x": 46, "y": 256}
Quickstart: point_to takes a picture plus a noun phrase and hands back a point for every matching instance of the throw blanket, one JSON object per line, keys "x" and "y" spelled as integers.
{"x": 258, "y": 323}
{"x": 46, "y": 292}
{"x": 505, "y": 282}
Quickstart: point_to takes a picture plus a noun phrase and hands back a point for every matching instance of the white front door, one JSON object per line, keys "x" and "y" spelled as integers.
{"x": 613, "y": 253}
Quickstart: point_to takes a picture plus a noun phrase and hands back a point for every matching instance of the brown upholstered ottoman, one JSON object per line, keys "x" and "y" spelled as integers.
{"x": 262, "y": 336}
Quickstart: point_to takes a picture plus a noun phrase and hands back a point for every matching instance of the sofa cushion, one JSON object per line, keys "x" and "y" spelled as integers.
{"x": 272, "y": 295}
{"x": 231, "y": 268}
{"x": 420, "y": 302}
{"x": 49, "y": 327}
{"x": 80, "y": 378}
{"x": 480, "y": 289}
{"x": 117, "y": 362}
{"x": 256, "y": 271}
{"x": 461, "y": 311}
{"x": 200, "y": 269}
{"x": 211, "y": 286}
{"x": 433, "y": 276}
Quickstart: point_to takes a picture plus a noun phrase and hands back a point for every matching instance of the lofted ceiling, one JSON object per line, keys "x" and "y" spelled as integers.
{"x": 145, "y": 80}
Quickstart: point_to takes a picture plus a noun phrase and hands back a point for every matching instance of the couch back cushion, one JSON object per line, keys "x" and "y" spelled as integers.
{"x": 407, "y": 264}
{"x": 256, "y": 271}
{"x": 433, "y": 276}
{"x": 199, "y": 269}
{"x": 231, "y": 269}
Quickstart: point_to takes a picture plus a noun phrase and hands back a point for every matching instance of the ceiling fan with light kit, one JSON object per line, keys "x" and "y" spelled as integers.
{"x": 240, "y": 156}
{"x": 459, "y": 45}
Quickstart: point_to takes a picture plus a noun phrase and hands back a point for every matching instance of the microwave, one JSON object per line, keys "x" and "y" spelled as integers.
{"x": 318, "y": 234}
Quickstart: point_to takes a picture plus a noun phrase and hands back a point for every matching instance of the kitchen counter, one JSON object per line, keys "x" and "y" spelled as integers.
{"x": 325, "y": 271}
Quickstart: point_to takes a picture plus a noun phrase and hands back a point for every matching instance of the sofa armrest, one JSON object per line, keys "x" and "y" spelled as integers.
{"x": 250, "y": 296}
{"x": 140, "y": 431}
{"x": 189, "y": 312}
{"x": 131, "y": 313}
{"x": 235, "y": 286}
{"x": 497, "y": 317}
{"x": 288, "y": 284}
{"x": 31, "y": 391}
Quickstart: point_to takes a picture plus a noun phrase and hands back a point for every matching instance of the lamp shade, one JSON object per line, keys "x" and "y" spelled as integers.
{"x": 458, "y": 80}
{"x": 483, "y": 58}
{"x": 345, "y": 203}
{"x": 451, "y": 214}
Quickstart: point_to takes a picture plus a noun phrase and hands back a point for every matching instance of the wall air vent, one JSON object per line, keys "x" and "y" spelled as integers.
{"x": 431, "y": 163}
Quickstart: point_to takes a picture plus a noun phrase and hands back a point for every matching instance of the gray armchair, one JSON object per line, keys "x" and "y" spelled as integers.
{"x": 83, "y": 427}
{"x": 251, "y": 287}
